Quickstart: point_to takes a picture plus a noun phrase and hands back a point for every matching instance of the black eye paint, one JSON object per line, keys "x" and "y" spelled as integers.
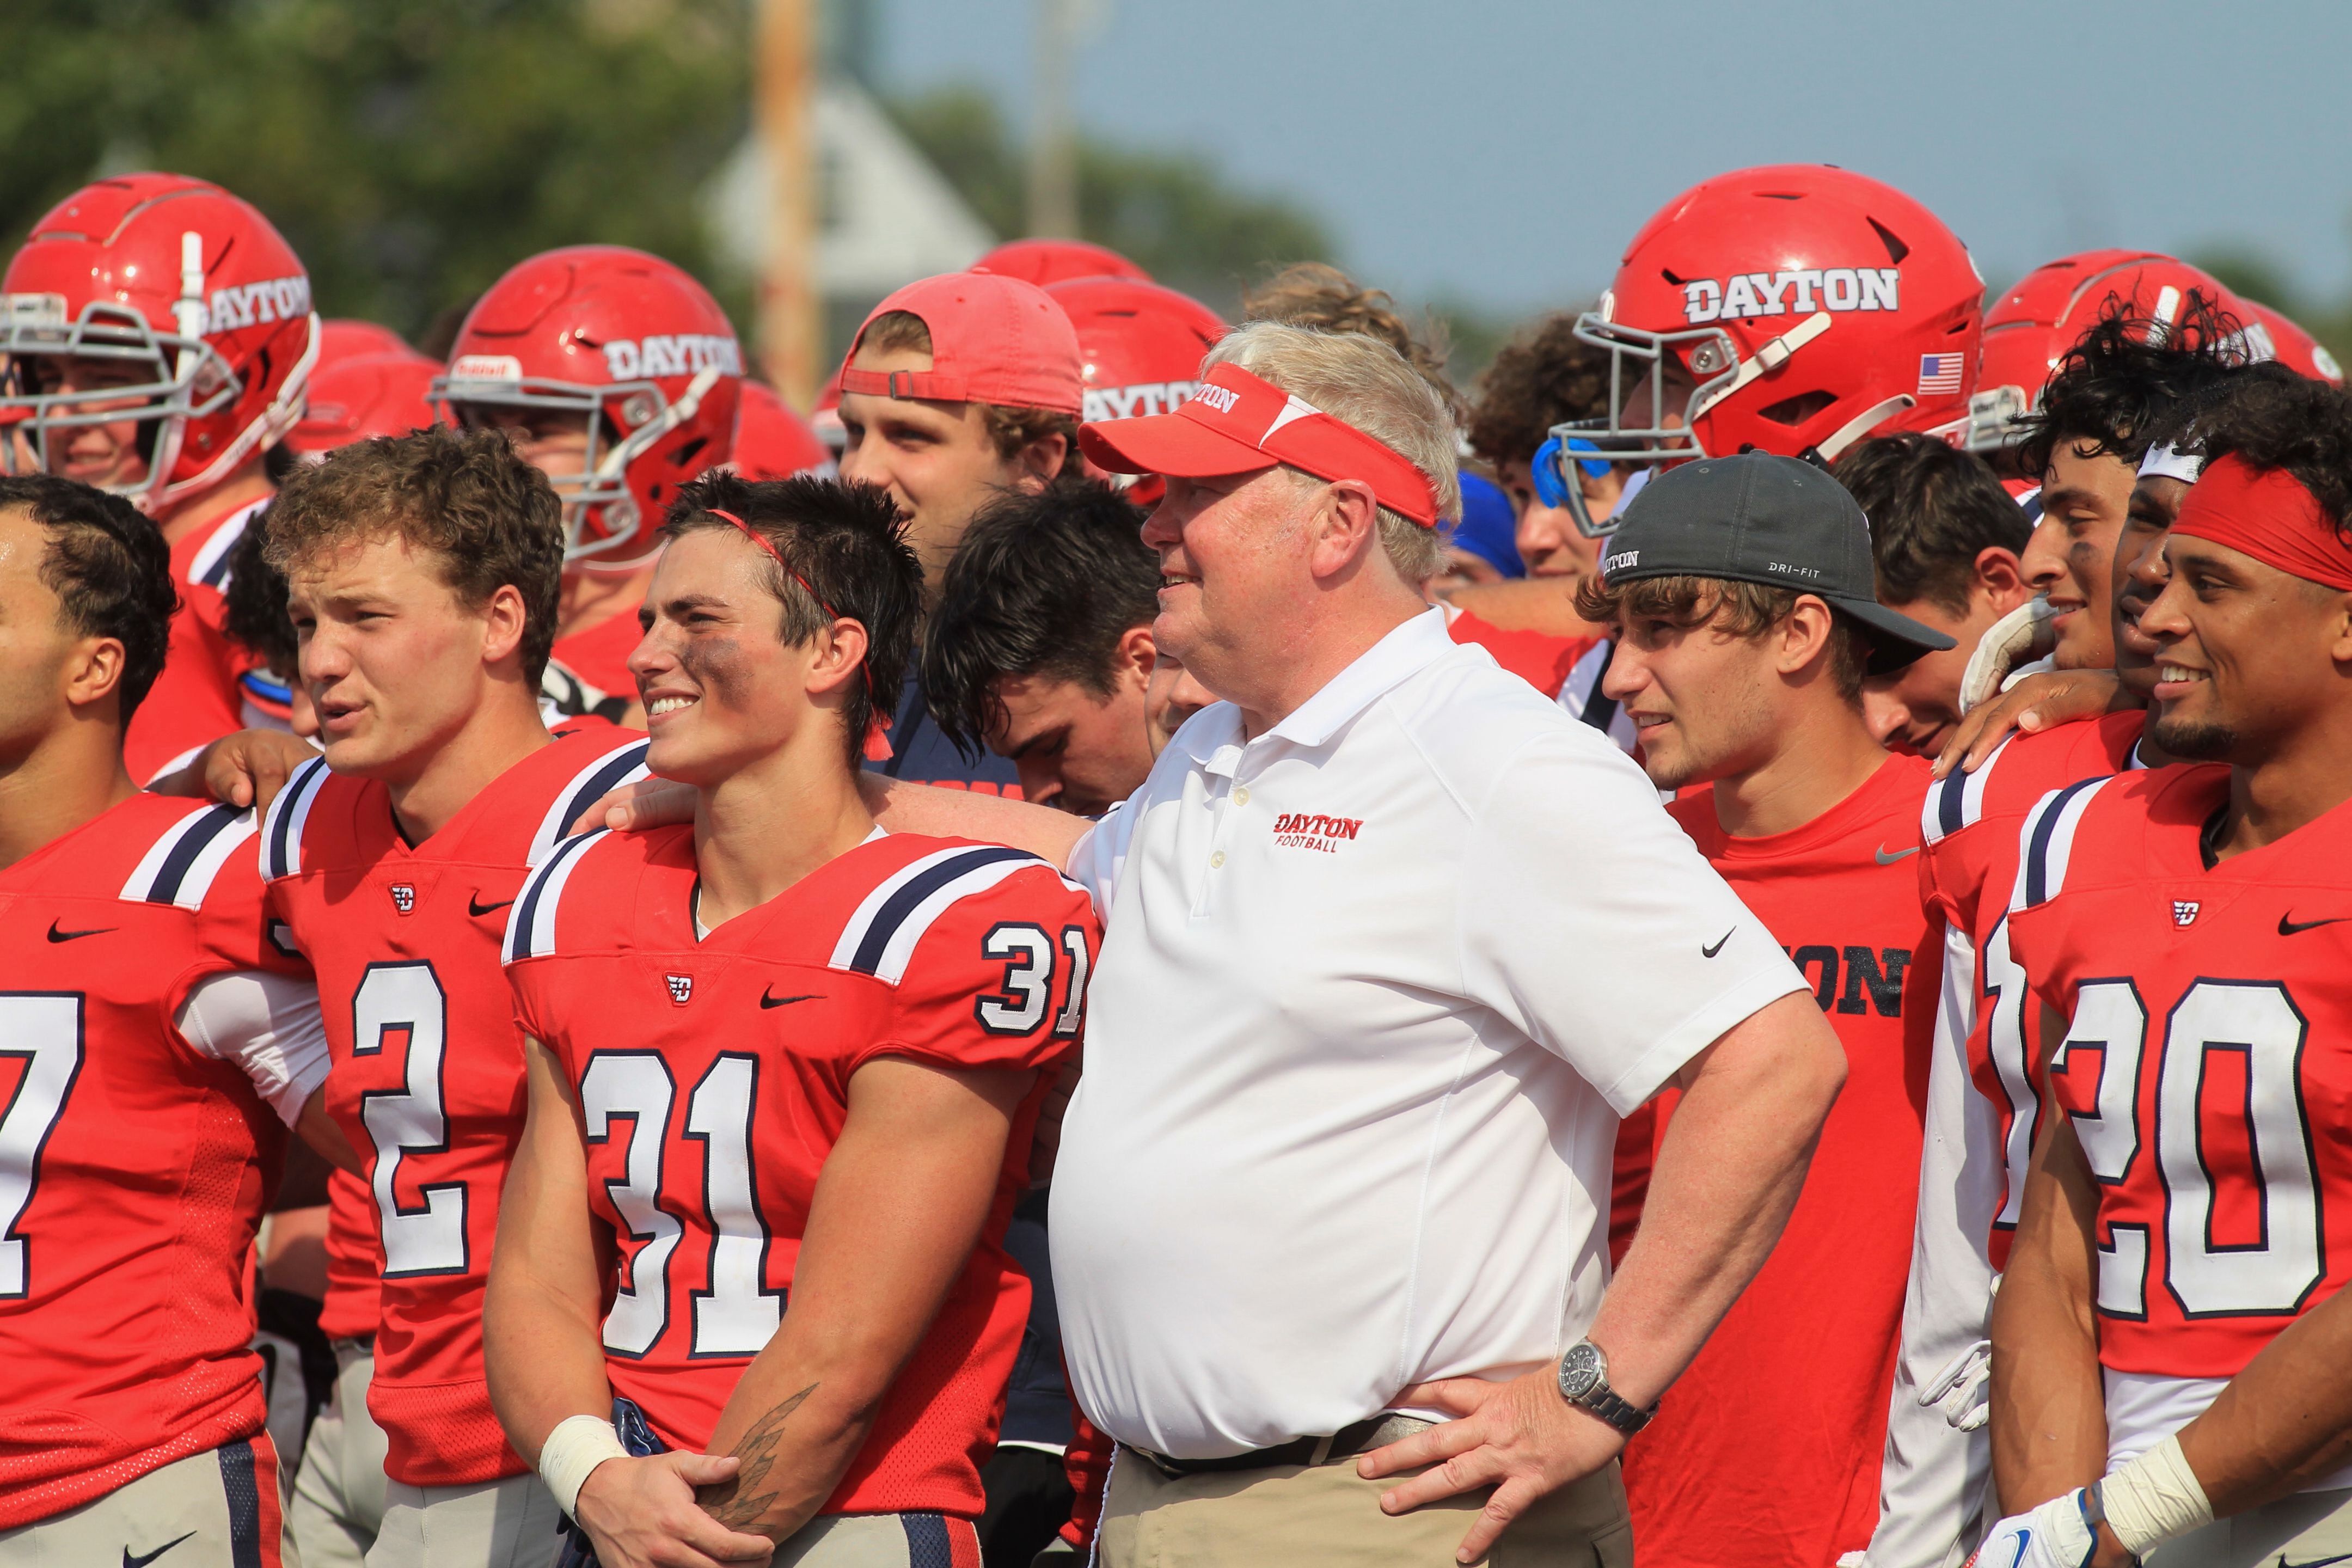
{"x": 718, "y": 665}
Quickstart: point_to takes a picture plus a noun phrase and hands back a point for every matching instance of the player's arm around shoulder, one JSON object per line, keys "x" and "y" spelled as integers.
{"x": 990, "y": 998}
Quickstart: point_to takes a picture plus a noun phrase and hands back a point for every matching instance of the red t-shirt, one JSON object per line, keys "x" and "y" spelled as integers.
{"x": 427, "y": 1075}
{"x": 600, "y": 654}
{"x": 711, "y": 1104}
{"x": 197, "y": 698}
{"x": 2206, "y": 1068}
{"x": 1540, "y": 658}
{"x": 1767, "y": 1449}
{"x": 133, "y": 1168}
{"x": 1970, "y": 827}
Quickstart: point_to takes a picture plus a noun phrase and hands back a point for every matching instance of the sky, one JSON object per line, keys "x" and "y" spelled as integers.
{"x": 1501, "y": 152}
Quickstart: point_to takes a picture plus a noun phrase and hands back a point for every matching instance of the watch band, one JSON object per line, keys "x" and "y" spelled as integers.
{"x": 1620, "y": 1413}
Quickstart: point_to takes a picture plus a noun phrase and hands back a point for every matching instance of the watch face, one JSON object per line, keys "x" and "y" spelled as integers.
{"x": 1580, "y": 1371}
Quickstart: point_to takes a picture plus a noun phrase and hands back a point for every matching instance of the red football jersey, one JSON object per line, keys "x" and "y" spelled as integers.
{"x": 962, "y": 954}
{"x": 133, "y": 1168}
{"x": 1969, "y": 829}
{"x": 1540, "y": 658}
{"x": 2208, "y": 1065}
{"x": 354, "y": 1260}
{"x": 197, "y": 698}
{"x": 428, "y": 1074}
{"x": 600, "y": 654}
{"x": 1767, "y": 1449}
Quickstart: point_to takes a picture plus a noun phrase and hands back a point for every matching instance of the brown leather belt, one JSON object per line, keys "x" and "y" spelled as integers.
{"x": 1359, "y": 1437}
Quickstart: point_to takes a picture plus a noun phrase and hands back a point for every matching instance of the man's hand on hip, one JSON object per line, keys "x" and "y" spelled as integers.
{"x": 1519, "y": 1438}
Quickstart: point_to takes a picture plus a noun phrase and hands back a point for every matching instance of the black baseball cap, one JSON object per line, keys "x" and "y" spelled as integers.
{"x": 1758, "y": 518}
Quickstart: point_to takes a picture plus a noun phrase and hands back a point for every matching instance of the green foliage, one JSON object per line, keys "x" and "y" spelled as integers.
{"x": 411, "y": 151}
{"x": 1174, "y": 214}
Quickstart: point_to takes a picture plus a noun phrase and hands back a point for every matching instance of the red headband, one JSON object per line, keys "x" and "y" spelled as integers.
{"x": 2266, "y": 513}
{"x": 1236, "y": 423}
{"x": 877, "y": 750}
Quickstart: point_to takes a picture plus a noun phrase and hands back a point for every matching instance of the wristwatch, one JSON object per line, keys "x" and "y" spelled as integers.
{"x": 1585, "y": 1382}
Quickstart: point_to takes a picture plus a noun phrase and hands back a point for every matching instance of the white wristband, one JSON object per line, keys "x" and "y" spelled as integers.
{"x": 2154, "y": 1499}
{"x": 577, "y": 1445}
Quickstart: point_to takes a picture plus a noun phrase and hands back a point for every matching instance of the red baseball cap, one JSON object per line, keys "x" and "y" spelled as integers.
{"x": 1236, "y": 423}
{"x": 994, "y": 340}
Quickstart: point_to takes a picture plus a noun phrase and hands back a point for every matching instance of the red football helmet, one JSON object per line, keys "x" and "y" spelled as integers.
{"x": 369, "y": 395}
{"x": 771, "y": 442}
{"x": 1048, "y": 261}
{"x": 345, "y": 337}
{"x": 2273, "y": 336}
{"x": 2047, "y": 313}
{"x": 1141, "y": 345}
{"x": 1805, "y": 307}
{"x": 633, "y": 344}
{"x": 188, "y": 286}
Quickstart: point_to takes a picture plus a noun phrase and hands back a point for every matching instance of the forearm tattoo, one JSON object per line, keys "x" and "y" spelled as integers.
{"x": 740, "y": 1503}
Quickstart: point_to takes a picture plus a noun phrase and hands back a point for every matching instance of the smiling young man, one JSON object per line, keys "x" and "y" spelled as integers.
{"x": 957, "y": 389}
{"x": 829, "y": 1045}
{"x": 2170, "y": 1366}
{"x": 157, "y": 336}
{"x": 423, "y": 577}
{"x": 1742, "y": 593}
{"x": 154, "y": 1048}
{"x": 1041, "y": 648}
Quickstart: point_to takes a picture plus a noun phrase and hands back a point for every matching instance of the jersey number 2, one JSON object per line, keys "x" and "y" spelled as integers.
{"x": 401, "y": 1006}
{"x": 43, "y": 1030}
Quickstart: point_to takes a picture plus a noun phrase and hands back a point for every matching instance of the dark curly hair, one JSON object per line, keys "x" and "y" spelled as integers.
{"x": 849, "y": 549}
{"x": 110, "y": 569}
{"x": 255, "y": 613}
{"x": 2113, "y": 385}
{"x": 2270, "y": 417}
{"x": 466, "y": 495}
{"x": 1544, "y": 376}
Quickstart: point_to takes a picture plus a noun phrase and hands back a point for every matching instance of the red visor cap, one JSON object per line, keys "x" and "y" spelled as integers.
{"x": 994, "y": 340}
{"x": 1237, "y": 422}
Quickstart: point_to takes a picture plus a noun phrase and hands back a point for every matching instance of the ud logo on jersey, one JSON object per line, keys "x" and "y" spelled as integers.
{"x": 2184, "y": 912}
{"x": 403, "y": 896}
{"x": 1799, "y": 292}
{"x": 681, "y": 988}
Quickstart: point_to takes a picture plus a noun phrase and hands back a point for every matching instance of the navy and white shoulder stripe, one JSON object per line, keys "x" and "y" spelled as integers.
{"x": 2046, "y": 843}
{"x": 1958, "y": 801}
{"x": 880, "y": 937}
{"x": 609, "y": 771}
{"x": 179, "y": 867}
{"x": 282, "y": 830}
{"x": 530, "y": 928}
{"x": 210, "y": 565}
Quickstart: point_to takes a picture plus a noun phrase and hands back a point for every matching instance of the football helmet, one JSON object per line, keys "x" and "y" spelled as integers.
{"x": 1141, "y": 346}
{"x": 2034, "y": 324}
{"x": 634, "y": 345}
{"x": 346, "y": 337}
{"x": 2273, "y": 336}
{"x": 189, "y": 287}
{"x": 1804, "y": 307}
{"x": 771, "y": 442}
{"x": 368, "y": 394}
{"x": 1049, "y": 261}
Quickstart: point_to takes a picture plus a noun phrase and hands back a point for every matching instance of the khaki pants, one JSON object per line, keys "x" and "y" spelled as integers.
{"x": 339, "y": 1491}
{"x": 1295, "y": 1515}
{"x": 882, "y": 1540}
{"x": 497, "y": 1524}
{"x": 213, "y": 1509}
{"x": 2307, "y": 1528}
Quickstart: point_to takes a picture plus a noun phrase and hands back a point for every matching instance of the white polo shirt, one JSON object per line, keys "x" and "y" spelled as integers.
{"x": 1375, "y": 988}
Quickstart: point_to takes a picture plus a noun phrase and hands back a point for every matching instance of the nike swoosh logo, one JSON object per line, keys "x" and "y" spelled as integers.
{"x": 768, "y": 999}
{"x": 473, "y": 908}
{"x": 2024, "y": 1540}
{"x": 2317, "y": 1561}
{"x": 1887, "y": 859}
{"x": 130, "y": 1561}
{"x": 56, "y": 936}
{"x": 1711, "y": 952}
{"x": 2286, "y": 928}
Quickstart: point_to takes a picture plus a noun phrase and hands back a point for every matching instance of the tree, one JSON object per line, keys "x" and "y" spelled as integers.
{"x": 1172, "y": 213}
{"x": 410, "y": 152}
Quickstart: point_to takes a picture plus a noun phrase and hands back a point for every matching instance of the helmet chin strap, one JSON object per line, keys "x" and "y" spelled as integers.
{"x": 1862, "y": 424}
{"x": 1769, "y": 356}
{"x": 634, "y": 446}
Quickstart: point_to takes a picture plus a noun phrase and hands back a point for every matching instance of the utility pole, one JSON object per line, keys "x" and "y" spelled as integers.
{"x": 1053, "y": 138}
{"x": 784, "y": 73}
